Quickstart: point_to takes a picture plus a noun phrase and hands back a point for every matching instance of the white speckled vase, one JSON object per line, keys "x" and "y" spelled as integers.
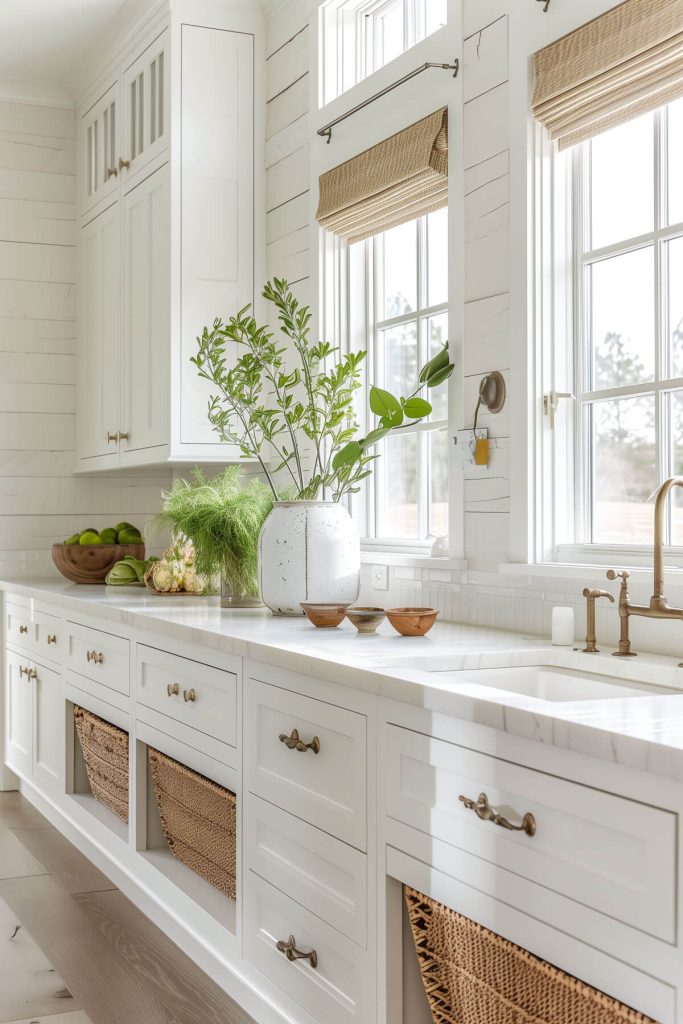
{"x": 308, "y": 551}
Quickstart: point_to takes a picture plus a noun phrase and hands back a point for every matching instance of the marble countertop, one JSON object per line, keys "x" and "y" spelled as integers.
{"x": 644, "y": 732}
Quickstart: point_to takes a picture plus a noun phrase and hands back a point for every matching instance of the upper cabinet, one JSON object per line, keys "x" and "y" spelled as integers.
{"x": 171, "y": 232}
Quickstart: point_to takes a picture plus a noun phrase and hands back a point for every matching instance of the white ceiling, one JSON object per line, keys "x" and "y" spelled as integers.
{"x": 41, "y": 39}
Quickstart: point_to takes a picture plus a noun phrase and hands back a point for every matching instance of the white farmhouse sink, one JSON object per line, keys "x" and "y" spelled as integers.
{"x": 546, "y": 682}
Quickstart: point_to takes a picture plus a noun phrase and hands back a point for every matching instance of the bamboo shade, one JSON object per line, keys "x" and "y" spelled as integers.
{"x": 623, "y": 64}
{"x": 401, "y": 178}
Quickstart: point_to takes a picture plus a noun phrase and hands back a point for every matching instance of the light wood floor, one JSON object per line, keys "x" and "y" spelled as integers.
{"x": 74, "y": 949}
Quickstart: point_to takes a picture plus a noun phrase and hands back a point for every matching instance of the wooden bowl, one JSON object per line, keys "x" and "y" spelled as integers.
{"x": 90, "y": 563}
{"x": 366, "y": 620}
{"x": 412, "y": 621}
{"x": 324, "y": 616}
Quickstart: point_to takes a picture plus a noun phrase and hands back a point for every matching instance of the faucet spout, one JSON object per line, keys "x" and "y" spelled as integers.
{"x": 658, "y": 600}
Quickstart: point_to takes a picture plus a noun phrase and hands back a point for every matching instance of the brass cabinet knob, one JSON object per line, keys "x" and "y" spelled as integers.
{"x": 51, "y": 639}
{"x": 172, "y": 689}
{"x": 109, "y": 437}
{"x": 189, "y": 695}
{"x": 288, "y": 947}
{"x": 112, "y": 172}
{"x": 483, "y": 809}
{"x": 23, "y": 629}
{"x": 95, "y": 656}
{"x": 293, "y": 742}
{"x": 123, "y": 437}
{"x": 123, "y": 164}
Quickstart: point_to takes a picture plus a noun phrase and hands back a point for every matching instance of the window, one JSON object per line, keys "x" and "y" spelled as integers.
{"x": 361, "y": 36}
{"x": 628, "y": 358}
{"x": 398, "y": 301}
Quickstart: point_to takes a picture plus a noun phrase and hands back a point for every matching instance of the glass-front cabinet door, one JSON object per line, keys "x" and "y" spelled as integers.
{"x": 146, "y": 108}
{"x": 99, "y": 149}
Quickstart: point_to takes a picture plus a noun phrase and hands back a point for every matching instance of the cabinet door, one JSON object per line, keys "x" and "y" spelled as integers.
{"x": 48, "y": 728}
{"x": 146, "y": 108}
{"x": 18, "y": 712}
{"x": 99, "y": 149}
{"x": 147, "y": 290}
{"x": 99, "y": 337}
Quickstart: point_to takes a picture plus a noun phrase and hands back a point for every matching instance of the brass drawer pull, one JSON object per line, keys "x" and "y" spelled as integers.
{"x": 482, "y": 808}
{"x": 292, "y": 953}
{"x": 30, "y": 673}
{"x": 189, "y": 695}
{"x": 172, "y": 689}
{"x": 112, "y": 172}
{"x": 111, "y": 437}
{"x": 51, "y": 639}
{"x": 23, "y": 629}
{"x": 123, "y": 164}
{"x": 95, "y": 656}
{"x": 293, "y": 742}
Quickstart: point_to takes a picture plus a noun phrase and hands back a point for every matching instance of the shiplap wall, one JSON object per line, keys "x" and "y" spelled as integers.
{"x": 41, "y": 501}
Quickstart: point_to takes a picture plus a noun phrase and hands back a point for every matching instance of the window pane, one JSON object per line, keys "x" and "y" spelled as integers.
{"x": 438, "y": 483}
{"x": 435, "y": 15}
{"x": 388, "y": 33}
{"x": 437, "y": 257}
{"x": 675, "y": 253}
{"x": 622, "y": 182}
{"x": 398, "y": 491}
{"x": 624, "y": 470}
{"x": 675, "y": 143}
{"x": 677, "y": 466}
{"x": 398, "y": 350}
{"x": 437, "y": 335}
{"x": 399, "y": 272}
{"x": 622, "y": 300}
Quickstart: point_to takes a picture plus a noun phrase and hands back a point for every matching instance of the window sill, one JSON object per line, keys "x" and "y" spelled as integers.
{"x": 585, "y": 572}
{"x": 373, "y": 556}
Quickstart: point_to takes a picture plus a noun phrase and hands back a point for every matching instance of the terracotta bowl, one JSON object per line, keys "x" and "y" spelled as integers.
{"x": 324, "y": 616}
{"x": 366, "y": 620}
{"x": 90, "y": 563}
{"x": 412, "y": 621}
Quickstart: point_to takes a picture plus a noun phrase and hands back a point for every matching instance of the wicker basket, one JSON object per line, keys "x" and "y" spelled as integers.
{"x": 473, "y": 976}
{"x": 199, "y": 819}
{"x": 105, "y": 753}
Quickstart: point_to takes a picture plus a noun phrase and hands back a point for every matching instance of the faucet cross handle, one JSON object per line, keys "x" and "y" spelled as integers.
{"x": 612, "y": 574}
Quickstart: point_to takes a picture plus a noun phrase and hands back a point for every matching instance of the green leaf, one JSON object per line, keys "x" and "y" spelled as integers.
{"x": 374, "y": 437}
{"x": 440, "y": 376}
{"x": 438, "y": 362}
{"x": 416, "y": 408}
{"x": 347, "y": 455}
{"x": 386, "y": 406}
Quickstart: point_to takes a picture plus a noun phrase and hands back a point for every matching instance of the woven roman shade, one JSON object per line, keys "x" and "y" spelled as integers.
{"x": 623, "y": 64}
{"x": 401, "y": 178}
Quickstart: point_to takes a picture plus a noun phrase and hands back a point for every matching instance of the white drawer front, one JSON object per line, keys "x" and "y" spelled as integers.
{"x": 320, "y": 873}
{"x": 19, "y": 630}
{"x": 326, "y": 788}
{"x": 48, "y": 635}
{"x": 601, "y": 850}
{"x": 97, "y": 655}
{"x": 200, "y": 696}
{"x": 340, "y": 988}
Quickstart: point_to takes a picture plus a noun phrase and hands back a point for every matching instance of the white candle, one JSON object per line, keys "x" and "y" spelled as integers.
{"x": 563, "y": 627}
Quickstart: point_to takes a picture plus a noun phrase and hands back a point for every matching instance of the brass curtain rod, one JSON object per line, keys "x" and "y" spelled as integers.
{"x": 326, "y": 130}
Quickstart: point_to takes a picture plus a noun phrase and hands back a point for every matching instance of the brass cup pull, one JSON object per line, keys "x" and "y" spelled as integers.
{"x": 112, "y": 172}
{"x": 95, "y": 656}
{"x": 123, "y": 164}
{"x": 482, "y": 808}
{"x": 51, "y": 639}
{"x": 172, "y": 689}
{"x": 23, "y": 629}
{"x": 292, "y": 742}
{"x": 189, "y": 695}
{"x": 288, "y": 947}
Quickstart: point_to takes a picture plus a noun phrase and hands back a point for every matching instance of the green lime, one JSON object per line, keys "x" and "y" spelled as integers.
{"x": 120, "y": 527}
{"x": 129, "y": 537}
{"x": 90, "y": 529}
{"x": 73, "y": 539}
{"x": 89, "y": 537}
{"x": 108, "y": 536}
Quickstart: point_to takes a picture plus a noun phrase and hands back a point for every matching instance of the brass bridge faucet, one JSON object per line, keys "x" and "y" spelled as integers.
{"x": 659, "y": 607}
{"x": 591, "y": 596}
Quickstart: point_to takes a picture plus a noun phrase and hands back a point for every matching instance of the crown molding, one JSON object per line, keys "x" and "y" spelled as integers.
{"x": 36, "y": 93}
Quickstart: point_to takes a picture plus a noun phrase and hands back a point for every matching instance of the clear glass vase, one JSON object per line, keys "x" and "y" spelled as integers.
{"x": 232, "y": 598}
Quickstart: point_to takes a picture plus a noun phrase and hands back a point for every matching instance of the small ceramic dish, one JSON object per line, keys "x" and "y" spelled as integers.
{"x": 366, "y": 620}
{"x": 412, "y": 621}
{"x": 324, "y": 616}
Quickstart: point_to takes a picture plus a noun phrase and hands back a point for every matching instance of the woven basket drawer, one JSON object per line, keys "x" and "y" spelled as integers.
{"x": 105, "y": 754}
{"x": 199, "y": 819}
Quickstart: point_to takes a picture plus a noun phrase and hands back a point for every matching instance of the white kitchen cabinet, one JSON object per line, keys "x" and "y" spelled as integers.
{"x": 99, "y": 332}
{"x": 170, "y": 158}
{"x": 146, "y": 310}
{"x": 48, "y": 728}
{"x": 18, "y": 711}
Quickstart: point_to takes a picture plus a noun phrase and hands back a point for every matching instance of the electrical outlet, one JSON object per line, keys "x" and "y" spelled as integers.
{"x": 380, "y": 577}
